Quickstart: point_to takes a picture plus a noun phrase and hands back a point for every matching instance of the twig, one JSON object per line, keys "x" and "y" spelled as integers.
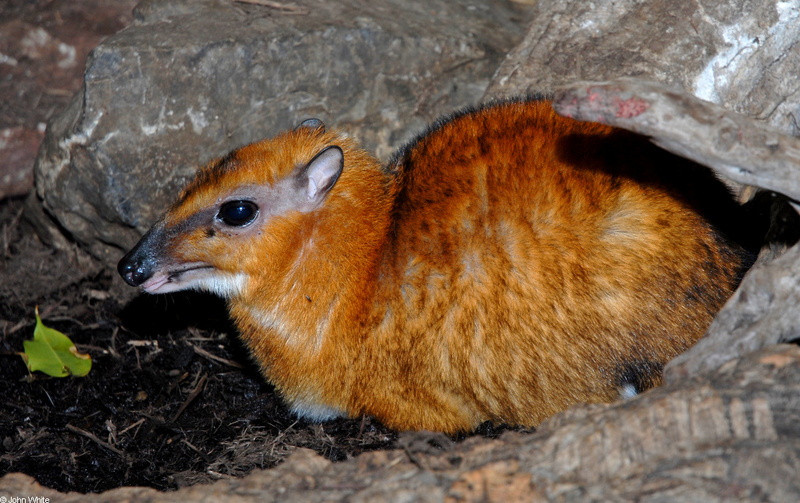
{"x": 363, "y": 424}
{"x": 196, "y": 391}
{"x": 90, "y": 347}
{"x": 289, "y": 8}
{"x": 96, "y": 440}
{"x": 134, "y": 425}
{"x": 219, "y": 475}
{"x": 113, "y": 348}
{"x": 205, "y": 354}
{"x": 195, "y": 449}
{"x": 20, "y": 325}
{"x": 414, "y": 459}
{"x": 83, "y": 326}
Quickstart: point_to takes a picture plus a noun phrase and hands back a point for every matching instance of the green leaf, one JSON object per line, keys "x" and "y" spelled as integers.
{"x": 53, "y": 353}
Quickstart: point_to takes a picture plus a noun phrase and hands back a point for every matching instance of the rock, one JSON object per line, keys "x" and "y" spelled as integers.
{"x": 734, "y": 53}
{"x": 48, "y": 66}
{"x": 42, "y": 55}
{"x": 25, "y": 51}
{"x": 730, "y": 435}
{"x": 737, "y": 147}
{"x": 190, "y": 81}
{"x": 18, "y": 148}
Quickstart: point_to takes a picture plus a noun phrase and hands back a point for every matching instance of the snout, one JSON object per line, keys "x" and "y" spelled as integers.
{"x": 133, "y": 269}
{"x": 141, "y": 262}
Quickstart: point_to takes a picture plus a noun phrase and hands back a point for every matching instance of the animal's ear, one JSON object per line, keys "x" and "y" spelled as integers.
{"x": 312, "y": 124}
{"x": 322, "y": 172}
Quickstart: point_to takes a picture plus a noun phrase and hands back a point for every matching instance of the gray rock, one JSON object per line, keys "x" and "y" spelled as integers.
{"x": 735, "y": 146}
{"x": 743, "y": 54}
{"x": 190, "y": 81}
{"x": 43, "y": 51}
{"x": 18, "y": 148}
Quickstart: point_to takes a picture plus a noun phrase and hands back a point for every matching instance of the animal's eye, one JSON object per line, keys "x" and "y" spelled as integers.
{"x": 237, "y": 213}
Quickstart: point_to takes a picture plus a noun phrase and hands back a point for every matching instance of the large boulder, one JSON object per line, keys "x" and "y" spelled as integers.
{"x": 190, "y": 81}
{"x": 743, "y": 54}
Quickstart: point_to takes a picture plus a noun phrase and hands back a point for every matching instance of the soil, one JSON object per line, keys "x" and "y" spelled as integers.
{"x": 173, "y": 398}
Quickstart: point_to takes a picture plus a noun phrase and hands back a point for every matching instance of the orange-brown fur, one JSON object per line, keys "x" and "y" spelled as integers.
{"x": 505, "y": 265}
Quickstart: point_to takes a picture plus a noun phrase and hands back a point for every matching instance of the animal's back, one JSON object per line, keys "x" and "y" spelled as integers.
{"x": 541, "y": 261}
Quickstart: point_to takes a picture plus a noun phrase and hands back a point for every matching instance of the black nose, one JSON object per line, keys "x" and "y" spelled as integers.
{"x": 142, "y": 261}
{"x": 133, "y": 269}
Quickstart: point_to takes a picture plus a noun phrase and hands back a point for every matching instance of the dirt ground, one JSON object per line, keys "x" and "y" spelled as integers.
{"x": 172, "y": 398}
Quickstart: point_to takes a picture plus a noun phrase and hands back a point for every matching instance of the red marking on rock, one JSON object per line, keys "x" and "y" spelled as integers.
{"x": 631, "y": 107}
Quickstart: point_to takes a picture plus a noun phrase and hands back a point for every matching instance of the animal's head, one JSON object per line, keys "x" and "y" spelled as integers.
{"x": 251, "y": 212}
